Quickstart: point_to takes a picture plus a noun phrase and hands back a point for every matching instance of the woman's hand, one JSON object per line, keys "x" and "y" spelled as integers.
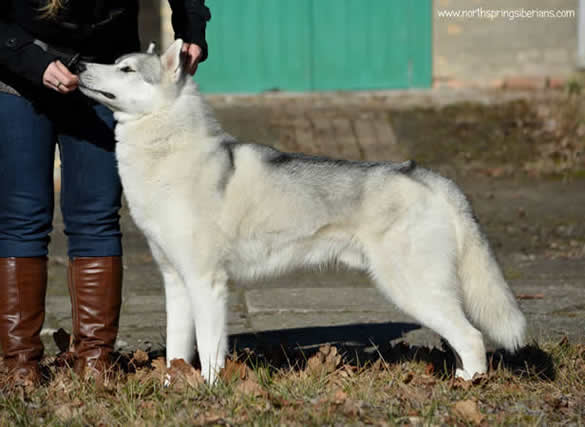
{"x": 192, "y": 54}
{"x": 59, "y": 78}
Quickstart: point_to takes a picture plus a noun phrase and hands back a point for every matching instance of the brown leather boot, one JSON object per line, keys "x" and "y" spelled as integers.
{"x": 95, "y": 286}
{"x": 23, "y": 284}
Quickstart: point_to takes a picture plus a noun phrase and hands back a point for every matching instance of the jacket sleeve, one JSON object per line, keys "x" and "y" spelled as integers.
{"x": 20, "y": 56}
{"x": 189, "y": 19}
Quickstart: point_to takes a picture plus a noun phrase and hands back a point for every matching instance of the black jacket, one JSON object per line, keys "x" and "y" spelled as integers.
{"x": 98, "y": 29}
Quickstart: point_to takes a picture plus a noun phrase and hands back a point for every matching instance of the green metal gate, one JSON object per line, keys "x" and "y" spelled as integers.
{"x": 303, "y": 45}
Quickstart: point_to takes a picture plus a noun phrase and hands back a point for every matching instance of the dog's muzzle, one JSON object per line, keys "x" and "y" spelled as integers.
{"x": 78, "y": 67}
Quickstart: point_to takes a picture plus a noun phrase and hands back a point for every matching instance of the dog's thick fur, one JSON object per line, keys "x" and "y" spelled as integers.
{"x": 213, "y": 208}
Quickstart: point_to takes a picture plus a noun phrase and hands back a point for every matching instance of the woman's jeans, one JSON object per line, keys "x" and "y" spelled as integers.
{"x": 90, "y": 185}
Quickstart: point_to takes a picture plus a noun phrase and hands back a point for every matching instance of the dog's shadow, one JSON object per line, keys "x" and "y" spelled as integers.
{"x": 363, "y": 344}
{"x": 357, "y": 343}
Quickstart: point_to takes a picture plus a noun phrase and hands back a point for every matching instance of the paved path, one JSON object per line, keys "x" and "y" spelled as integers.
{"x": 312, "y": 308}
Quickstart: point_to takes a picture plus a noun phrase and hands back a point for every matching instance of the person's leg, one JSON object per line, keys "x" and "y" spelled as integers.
{"x": 27, "y": 146}
{"x": 90, "y": 202}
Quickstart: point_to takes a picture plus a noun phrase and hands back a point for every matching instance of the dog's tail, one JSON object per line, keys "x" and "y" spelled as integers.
{"x": 487, "y": 297}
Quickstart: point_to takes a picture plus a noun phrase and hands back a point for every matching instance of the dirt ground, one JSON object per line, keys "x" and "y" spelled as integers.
{"x": 519, "y": 156}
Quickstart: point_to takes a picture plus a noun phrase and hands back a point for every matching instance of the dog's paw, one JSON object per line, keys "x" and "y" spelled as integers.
{"x": 210, "y": 375}
{"x": 462, "y": 373}
{"x": 167, "y": 380}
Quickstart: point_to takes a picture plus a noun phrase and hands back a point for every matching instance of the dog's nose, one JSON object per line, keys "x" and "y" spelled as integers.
{"x": 79, "y": 67}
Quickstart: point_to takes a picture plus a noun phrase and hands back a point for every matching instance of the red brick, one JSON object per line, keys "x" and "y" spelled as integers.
{"x": 556, "y": 82}
{"x": 524, "y": 82}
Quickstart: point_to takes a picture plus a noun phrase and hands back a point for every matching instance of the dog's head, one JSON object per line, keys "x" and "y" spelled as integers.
{"x": 138, "y": 83}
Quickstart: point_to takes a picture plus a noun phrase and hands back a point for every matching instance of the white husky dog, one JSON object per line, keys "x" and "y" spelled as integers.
{"x": 213, "y": 208}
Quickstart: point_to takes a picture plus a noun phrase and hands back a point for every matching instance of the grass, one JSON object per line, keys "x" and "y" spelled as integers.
{"x": 399, "y": 385}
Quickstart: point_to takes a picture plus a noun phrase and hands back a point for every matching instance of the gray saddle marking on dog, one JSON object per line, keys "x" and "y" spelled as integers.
{"x": 406, "y": 167}
{"x": 278, "y": 158}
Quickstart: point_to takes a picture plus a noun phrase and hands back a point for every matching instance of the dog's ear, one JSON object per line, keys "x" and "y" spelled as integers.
{"x": 172, "y": 60}
{"x": 151, "y": 48}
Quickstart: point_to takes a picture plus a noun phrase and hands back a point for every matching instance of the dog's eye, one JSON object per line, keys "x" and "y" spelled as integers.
{"x": 127, "y": 69}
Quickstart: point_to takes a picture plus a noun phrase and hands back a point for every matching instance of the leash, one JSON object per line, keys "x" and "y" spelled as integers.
{"x": 70, "y": 58}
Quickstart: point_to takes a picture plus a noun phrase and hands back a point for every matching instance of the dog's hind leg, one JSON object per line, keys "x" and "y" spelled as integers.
{"x": 180, "y": 326}
{"x": 209, "y": 300}
{"x": 422, "y": 282}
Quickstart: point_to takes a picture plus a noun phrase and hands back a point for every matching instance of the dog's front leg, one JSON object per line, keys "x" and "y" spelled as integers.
{"x": 204, "y": 300}
{"x": 209, "y": 300}
{"x": 180, "y": 327}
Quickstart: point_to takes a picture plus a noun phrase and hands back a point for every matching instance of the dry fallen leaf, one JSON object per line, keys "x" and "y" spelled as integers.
{"x": 207, "y": 419}
{"x": 460, "y": 383}
{"x": 140, "y": 358}
{"x": 348, "y": 371}
{"x": 182, "y": 373}
{"x": 159, "y": 368}
{"x": 469, "y": 411}
{"x": 557, "y": 401}
{"x": 233, "y": 370}
{"x": 339, "y": 397}
{"x": 159, "y": 364}
{"x": 325, "y": 361}
{"x": 477, "y": 380}
{"x": 480, "y": 379}
{"x": 251, "y": 387}
{"x": 429, "y": 369}
{"x": 427, "y": 380}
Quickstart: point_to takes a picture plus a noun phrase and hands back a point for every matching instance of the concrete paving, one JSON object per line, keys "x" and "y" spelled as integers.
{"x": 311, "y": 308}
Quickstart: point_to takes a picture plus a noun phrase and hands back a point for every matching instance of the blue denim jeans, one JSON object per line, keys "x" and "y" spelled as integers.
{"x": 90, "y": 185}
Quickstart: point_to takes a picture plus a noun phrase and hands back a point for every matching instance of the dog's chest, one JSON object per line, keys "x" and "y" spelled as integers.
{"x": 144, "y": 189}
